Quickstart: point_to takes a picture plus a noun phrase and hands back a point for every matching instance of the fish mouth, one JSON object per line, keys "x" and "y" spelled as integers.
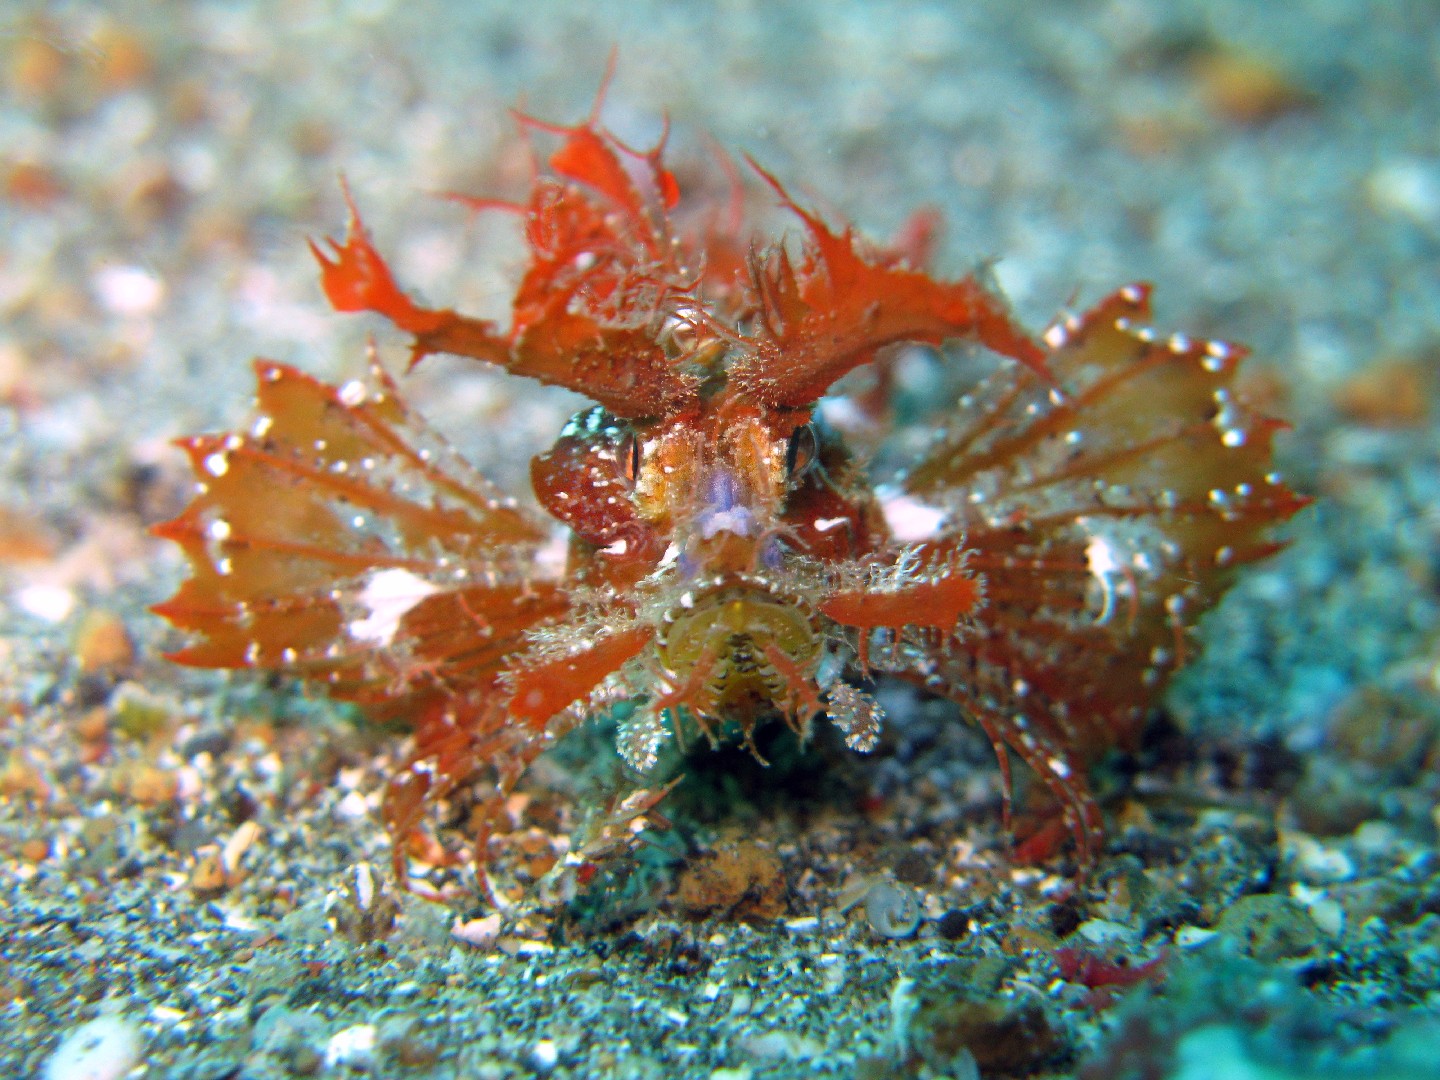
{"x": 729, "y": 636}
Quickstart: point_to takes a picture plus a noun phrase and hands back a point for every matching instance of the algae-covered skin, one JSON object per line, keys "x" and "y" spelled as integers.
{"x": 203, "y": 858}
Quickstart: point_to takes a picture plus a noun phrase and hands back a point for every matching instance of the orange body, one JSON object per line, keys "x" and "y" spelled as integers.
{"x": 728, "y": 560}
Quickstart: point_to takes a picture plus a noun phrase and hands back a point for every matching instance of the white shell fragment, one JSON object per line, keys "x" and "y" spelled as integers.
{"x": 106, "y": 1048}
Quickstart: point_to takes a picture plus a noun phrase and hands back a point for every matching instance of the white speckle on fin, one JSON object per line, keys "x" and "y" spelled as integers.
{"x": 388, "y": 595}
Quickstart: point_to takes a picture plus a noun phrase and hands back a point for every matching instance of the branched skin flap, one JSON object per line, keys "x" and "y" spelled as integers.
{"x": 726, "y": 560}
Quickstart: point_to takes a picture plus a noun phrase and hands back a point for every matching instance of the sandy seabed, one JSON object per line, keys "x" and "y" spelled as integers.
{"x": 193, "y": 879}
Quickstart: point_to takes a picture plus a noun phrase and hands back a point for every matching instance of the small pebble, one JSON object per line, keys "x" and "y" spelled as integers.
{"x": 354, "y": 1047}
{"x": 892, "y": 910}
{"x": 129, "y": 290}
{"x": 104, "y": 1049}
{"x": 102, "y": 642}
{"x": 1406, "y": 186}
{"x": 481, "y": 933}
{"x": 954, "y": 925}
{"x": 545, "y": 1055}
{"x": 1190, "y": 937}
{"x": 50, "y": 603}
{"x": 1314, "y": 862}
{"x": 1105, "y": 932}
{"x": 781, "y": 1046}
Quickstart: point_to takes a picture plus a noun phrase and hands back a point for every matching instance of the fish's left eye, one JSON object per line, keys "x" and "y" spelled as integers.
{"x": 628, "y": 454}
{"x": 802, "y": 451}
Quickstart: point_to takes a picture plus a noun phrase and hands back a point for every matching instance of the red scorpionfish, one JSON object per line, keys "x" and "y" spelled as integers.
{"x": 726, "y": 560}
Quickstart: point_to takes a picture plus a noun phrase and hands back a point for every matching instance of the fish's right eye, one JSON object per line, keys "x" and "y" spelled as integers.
{"x": 802, "y": 452}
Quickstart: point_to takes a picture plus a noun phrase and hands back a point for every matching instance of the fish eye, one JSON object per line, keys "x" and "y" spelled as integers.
{"x": 802, "y": 451}
{"x": 629, "y": 456}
